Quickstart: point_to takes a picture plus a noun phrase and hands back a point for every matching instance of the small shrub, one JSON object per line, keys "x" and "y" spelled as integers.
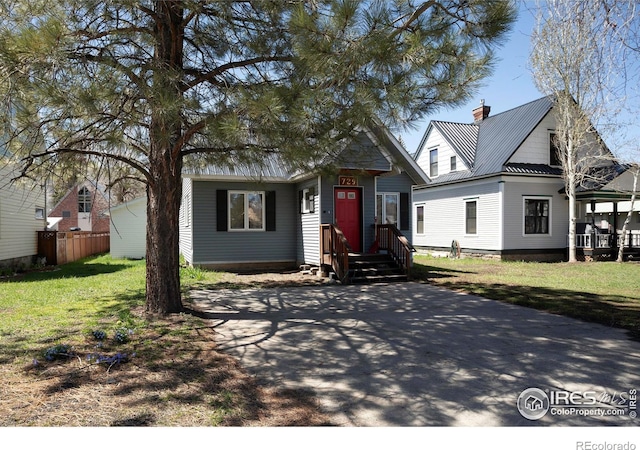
{"x": 99, "y": 335}
{"x": 59, "y": 351}
{"x": 122, "y": 335}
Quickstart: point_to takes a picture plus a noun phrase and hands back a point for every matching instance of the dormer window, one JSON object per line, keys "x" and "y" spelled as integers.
{"x": 454, "y": 163}
{"x": 554, "y": 152}
{"x": 433, "y": 163}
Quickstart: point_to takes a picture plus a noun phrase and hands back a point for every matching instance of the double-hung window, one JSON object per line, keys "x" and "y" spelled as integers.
{"x": 387, "y": 208}
{"x": 471, "y": 217}
{"x": 420, "y": 219}
{"x": 433, "y": 163}
{"x": 308, "y": 200}
{"x": 537, "y": 215}
{"x": 554, "y": 151}
{"x": 246, "y": 211}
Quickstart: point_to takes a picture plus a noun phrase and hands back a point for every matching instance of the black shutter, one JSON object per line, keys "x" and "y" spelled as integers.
{"x": 404, "y": 211}
{"x": 300, "y": 201}
{"x": 270, "y": 212}
{"x": 221, "y": 210}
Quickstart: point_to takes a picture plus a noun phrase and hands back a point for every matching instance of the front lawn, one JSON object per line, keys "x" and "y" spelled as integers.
{"x": 603, "y": 292}
{"x": 77, "y": 351}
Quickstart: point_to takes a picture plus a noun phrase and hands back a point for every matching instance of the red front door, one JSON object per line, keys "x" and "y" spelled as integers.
{"x": 349, "y": 215}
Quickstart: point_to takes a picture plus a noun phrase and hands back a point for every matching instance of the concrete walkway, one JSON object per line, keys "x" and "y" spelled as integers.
{"x": 411, "y": 354}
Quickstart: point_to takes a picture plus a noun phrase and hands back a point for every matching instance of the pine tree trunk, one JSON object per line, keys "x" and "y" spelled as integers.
{"x": 163, "y": 266}
{"x": 164, "y": 188}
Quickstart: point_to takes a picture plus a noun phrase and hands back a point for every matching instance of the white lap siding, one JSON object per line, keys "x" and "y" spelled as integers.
{"x": 445, "y": 211}
{"x": 519, "y": 188}
{"x": 308, "y": 235}
{"x": 18, "y": 223}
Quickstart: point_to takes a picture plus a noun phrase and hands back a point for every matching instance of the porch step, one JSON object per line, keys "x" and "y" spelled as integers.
{"x": 374, "y": 268}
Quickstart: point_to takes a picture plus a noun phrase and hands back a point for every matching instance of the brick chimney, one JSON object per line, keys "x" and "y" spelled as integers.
{"x": 481, "y": 112}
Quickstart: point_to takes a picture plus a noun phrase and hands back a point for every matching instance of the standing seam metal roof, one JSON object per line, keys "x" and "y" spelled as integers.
{"x": 463, "y": 137}
{"x": 498, "y": 138}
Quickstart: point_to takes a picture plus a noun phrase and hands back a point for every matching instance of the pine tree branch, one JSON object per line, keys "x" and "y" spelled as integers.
{"x": 30, "y": 159}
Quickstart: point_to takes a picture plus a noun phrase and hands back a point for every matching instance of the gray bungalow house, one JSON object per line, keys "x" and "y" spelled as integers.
{"x": 496, "y": 188}
{"x": 266, "y": 217}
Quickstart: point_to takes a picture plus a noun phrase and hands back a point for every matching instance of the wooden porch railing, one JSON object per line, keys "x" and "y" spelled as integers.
{"x": 335, "y": 250}
{"x": 389, "y": 238}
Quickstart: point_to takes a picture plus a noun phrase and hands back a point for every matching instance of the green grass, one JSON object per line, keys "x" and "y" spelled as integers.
{"x": 603, "y": 292}
{"x": 45, "y": 307}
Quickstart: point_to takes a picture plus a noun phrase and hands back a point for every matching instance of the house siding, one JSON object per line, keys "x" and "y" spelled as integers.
{"x": 402, "y": 184}
{"x": 186, "y": 220}
{"x": 535, "y": 148}
{"x": 445, "y": 215}
{"x": 308, "y": 233}
{"x": 18, "y": 225}
{"x": 363, "y": 153}
{"x": 233, "y": 248}
{"x": 434, "y": 141}
{"x": 516, "y": 189}
{"x": 128, "y": 229}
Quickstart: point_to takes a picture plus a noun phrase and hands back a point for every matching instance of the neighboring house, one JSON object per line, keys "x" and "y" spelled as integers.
{"x": 495, "y": 186}
{"x": 22, "y": 207}
{"x": 128, "y": 229}
{"x": 266, "y": 216}
{"x": 81, "y": 209}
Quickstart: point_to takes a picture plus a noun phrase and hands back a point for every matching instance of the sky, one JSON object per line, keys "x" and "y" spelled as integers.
{"x": 511, "y": 84}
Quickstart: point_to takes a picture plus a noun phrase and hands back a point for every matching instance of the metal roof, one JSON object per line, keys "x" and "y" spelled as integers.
{"x": 272, "y": 168}
{"x": 498, "y": 138}
{"x": 532, "y": 169}
{"x": 463, "y": 137}
{"x": 269, "y": 167}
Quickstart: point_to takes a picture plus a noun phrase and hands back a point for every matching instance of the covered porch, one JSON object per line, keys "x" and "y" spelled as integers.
{"x": 599, "y": 232}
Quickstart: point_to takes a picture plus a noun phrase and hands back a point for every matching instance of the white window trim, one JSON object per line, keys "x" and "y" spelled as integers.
{"x": 437, "y": 163}
{"x": 246, "y": 211}
{"x": 424, "y": 219}
{"x": 476, "y": 201}
{"x": 397, "y": 194}
{"x": 186, "y": 210}
{"x": 549, "y": 134}
{"x": 306, "y": 203}
{"x": 524, "y": 212}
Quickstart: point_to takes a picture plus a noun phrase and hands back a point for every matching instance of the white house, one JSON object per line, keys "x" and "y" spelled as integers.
{"x": 22, "y": 215}
{"x": 495, "y": 186}
{"x": 128, "y": 229}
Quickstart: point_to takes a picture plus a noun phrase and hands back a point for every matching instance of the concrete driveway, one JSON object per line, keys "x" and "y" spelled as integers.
{"x": 411, "y": 354}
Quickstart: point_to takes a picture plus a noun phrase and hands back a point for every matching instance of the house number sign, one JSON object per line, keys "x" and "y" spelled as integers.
{"x": 347, "y": 181}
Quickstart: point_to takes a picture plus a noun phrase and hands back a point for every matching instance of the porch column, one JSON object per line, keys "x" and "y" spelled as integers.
{"x": 593, "y": 224}
{"x": 615, "y": 227}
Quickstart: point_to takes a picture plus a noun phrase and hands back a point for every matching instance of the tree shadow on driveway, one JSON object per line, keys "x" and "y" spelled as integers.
{"x": 411, "y": 354}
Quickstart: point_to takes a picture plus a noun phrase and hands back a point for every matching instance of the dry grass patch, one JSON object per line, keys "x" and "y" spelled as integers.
{"x": 173, "y": 376}
{"x": 163, "y": 372}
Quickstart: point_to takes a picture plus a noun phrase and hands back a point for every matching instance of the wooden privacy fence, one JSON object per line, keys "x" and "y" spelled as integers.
{"x": 64, "y": 247}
